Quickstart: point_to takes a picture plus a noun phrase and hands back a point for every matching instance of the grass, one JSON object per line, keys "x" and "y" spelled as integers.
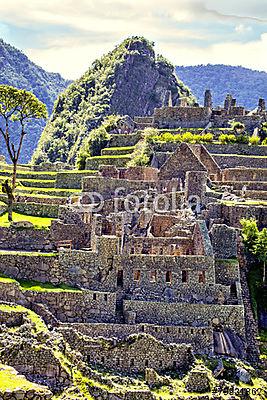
{"x": 35, "y": 319}
{"x": 125, "y": 156}
{"x": 46, "y": 287}
{"x": 27, "y": 253}
{"x": 10, "y": 380}
{"x": 38, "y": 286}
{"x": 38, "y": 222}
{"x": 245, "y": 203}
{"x": 120, "y": 148}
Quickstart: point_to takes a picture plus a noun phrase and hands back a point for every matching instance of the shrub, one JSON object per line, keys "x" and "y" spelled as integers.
{"x": 151, "y": 135}
{"x": 225, "y": 139}
{"x": 264, "y": 142}
{"x": 178, "y": 138}
{"x": 188, "y": 137}
{"x": 197, "y": 139}
{"x": 235, "y": 125}
{"x": 254, "y": 140}
{"x": 208, "y": 137}
{"x": 243, "y": 139}
{"x": 141, "y": 155}
{"x": 167, "y": 137}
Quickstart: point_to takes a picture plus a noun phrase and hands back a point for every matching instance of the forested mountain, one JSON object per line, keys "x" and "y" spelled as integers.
{"x": 128, "y": 80}
{"x": 244, "y": 84}
{"x": 17, "y": 70}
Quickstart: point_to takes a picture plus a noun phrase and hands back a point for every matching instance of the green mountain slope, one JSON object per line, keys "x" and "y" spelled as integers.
{"x": 244, "y": 84}
{"x": 128, "y": 80}
{"x": 17, "y": 70}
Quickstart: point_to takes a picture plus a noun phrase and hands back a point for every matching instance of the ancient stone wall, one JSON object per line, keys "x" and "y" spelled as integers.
{"x": 38, "y": 209}
{"x": 71, "y": 180}
{"x": 233, "y": 161}
{"x": 175, "y": 117}
{"x": 227, "y": 271}
{"x": 25, "y": 239}
{"x": 134, "y": 354}
{"x": 244, "y": 174}
{"x": 201, "y": 338}
{"x": 219, "y": 234}
{"x": 229, "y": 316}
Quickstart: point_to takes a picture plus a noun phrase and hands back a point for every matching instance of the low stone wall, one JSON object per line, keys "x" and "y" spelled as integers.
{"x": 42, "y": 268}
{"x": 201, "y": 338}
{"x": 93, "y": 163}
{"x": 133, "y": 354}
{"x": 77, "y": 306}
{"x": 219, "y": 234}
{"x": 37, "y": 209}
{"x": 123, "y": 140}
{"x": 232, "y": 214}
{"x": 64, "y": 305}
{"x": 233, "y": 161}
{"x": 229, "y": 316}
{"x": 71, "y": 180}
{"x": 107, "y": 186}
{"x": 25, "y": 239}
{"x": 245, "y": 174}
{"x": 186, "y": 117}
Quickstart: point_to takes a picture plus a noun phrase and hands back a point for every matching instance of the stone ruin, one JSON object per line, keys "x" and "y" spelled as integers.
{"x": 187, "y": 116}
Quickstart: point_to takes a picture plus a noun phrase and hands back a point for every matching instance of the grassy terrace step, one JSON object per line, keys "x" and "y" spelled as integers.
{"x": 109, "y": 151}
{"x": 117, "y": 161}
{"x": 47, "y": 191}
{"x": 38, "y": 286}
{"x": 238, "y": 155}
{"x": 38, "y": 222}
{"x": 39, "y": 183}
{"x": 30, "y": 174}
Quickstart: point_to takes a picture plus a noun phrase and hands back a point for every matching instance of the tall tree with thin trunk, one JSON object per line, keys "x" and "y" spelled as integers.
{"x": 16, "y": 106}
{"x": 260, "y": 250}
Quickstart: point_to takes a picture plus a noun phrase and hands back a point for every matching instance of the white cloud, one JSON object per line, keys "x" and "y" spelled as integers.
{"x": 241, "y": 28}
{"x": 75, "y": 32}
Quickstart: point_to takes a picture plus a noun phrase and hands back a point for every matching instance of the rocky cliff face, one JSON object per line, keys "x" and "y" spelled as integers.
{"x": 17, "y": 70}
{"x": 128, "y": 80}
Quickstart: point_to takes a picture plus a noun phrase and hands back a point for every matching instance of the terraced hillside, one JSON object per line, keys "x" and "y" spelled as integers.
{"x": 39, "y": 194}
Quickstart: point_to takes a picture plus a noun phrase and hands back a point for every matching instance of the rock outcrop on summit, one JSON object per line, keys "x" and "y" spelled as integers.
{"x": 130, "y": 80}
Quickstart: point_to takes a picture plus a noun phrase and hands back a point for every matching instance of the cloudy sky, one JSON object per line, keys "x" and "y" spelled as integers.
{"x": 67, "y": 35}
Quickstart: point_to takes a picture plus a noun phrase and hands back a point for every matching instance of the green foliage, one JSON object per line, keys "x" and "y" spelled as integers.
{"x": 225, "y": 139}
{"x": 236, "y": 125}
{"x": 141, "y": 155}
{"x": 254, "y": 140}
{"x": 264, "y": 142}
{"x": 106, "y": 88}
{"x": 17, "y": 70}
{"x": 242, "y": 139}
{"x": 96, "y": 141}
{"x": 250, "y": 232}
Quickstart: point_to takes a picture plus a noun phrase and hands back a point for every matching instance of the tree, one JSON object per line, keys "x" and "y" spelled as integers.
{"x": 250, "y": 232}
{"x": 260, "y": 250}
{"x": 16, "y": 107}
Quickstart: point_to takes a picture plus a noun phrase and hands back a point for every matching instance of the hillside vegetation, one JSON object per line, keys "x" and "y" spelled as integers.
{"x": 244, "y": 84}
{"x": 131, "y": 80}
{"x": 17, "y": 70}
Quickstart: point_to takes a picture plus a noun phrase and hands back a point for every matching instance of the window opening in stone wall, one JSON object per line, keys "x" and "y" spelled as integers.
{"x": 153, "y": 276}
{"x": 132, "y": 362}
{"x": 137, "y": 275}
{"x": 184, "y": 276}
{"x": 94, "y": 296}
{"x": 146, "y": 363}
{"x": 120, "y": 278}
{"x": 201, "y": 277}
{"x": 174, "y": 364}
{"x": 132, "y": 250}
{"x": 105, "y": 297}
{"x": 118, "y": 361}
{"x": 168, "y": 277}
{"x": 161, "y": 251}
{"x": 102, "y": 360}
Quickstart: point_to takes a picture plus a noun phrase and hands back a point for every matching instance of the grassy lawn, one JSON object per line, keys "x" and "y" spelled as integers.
{"x": 46, "y": 287}
{"x": 38, "y": 222}
{"x": 10, "y": 380}
{"x": 36, "y": 320}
